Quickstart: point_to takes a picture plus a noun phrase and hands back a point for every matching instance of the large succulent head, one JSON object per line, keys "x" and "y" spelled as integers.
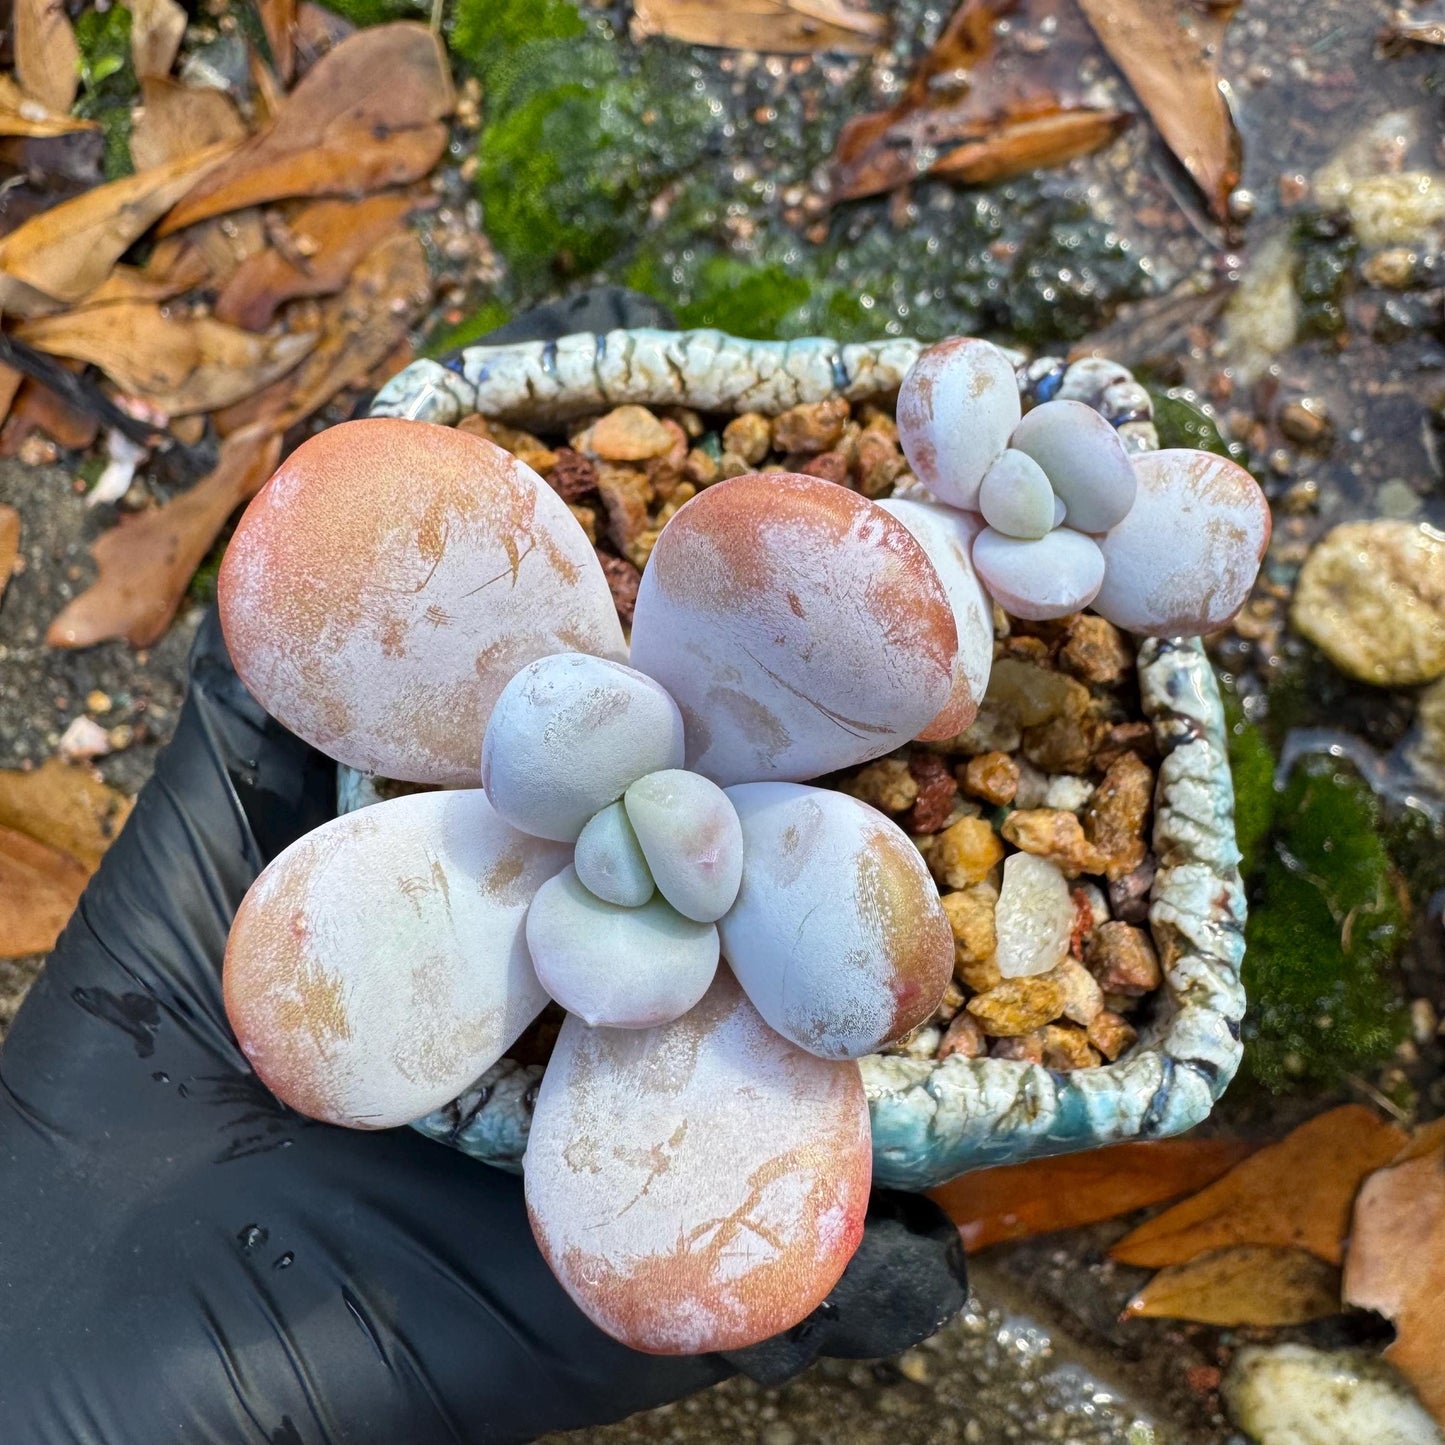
{"x": 416, "y": 602}
{"x": 1162, "y": 543}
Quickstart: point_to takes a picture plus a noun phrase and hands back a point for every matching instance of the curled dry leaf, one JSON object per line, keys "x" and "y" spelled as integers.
{"x": 1244, "y": 1284}
{"x": 148, "y": 560}
{"x": 37, "y": 408}
{"x": 9, "y": 543}
{"x": 1396, "y": 1263}
{"x": 1167, "y": 50}
{"x": 47, "y": 59}
{"x": 779, "y": 26}
{"x": 278, "y": 20}
{"x": 368, "y": 114}
{"x": 1295, "y": 1192}
{"x": 155, "y": 36}
{"x": 39, "y": 889}
{"x": 1029, "y": 143}
{"x": 324, "y": 243}
{"x": 10, "y": 381}
{"x": 67, "y": 251}
{"x": 179, "y": 364}
{"x": 23, "y": 115}
{"x": 1017, "y": 1201}
{"x": 177, "y": 120}
{"x": 158, "y": 280}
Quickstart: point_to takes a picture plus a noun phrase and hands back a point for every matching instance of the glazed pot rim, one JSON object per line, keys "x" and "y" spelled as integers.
{"x": 932, "y": 1120}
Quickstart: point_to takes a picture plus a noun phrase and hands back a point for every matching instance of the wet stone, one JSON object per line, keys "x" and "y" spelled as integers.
{"x": 812, "y": 427}
{"x": 970, "y": 914}
{"x": 626, "y": 434}
{"x": 888, "y": 785}
{"x": 1111, "y": 1033}
{"x": 1017, "y": 1006}
{"x": 1095, "y": 652}
{"x": 964, "y": 853}
{"x": 1116, "y": 816}
{"x": 1055, "y": 835}
{"x": 1121, "y": 957}
{"x": 994, "y": 777}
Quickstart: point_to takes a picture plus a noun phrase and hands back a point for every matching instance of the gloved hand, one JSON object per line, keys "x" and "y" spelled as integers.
{"x": 183, "y": 1259}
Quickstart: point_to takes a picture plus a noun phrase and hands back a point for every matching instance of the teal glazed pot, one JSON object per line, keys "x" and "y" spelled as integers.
{"x": 931, "y": 1120}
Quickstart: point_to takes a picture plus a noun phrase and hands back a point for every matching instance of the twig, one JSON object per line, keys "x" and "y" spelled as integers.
{"x": 438, "y": 9}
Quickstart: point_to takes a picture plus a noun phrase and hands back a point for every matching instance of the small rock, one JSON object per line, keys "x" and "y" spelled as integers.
{"x": 82, "y": 740}
{"x": 1083, "y": 998}
{"x": 993, "y": 730}
{"x": 923, "y": 1043}
{"x": 1306, "y": 423}
{"x": 971, "y": 917}
{"x": 878, "y": 463}
{"x": 1294, "y": 1395}
{"x": 937, "y": 793}
{"x": 1129, "y": 895}
{"x": 730, "y": 464}
{"x": 748, "y": 437}
{"x": 1115, "y": 818}
{"x": 1426, "y": 748}
{"x": 529, "y": 450}
{"x": 1094, "y": 651}
{"x": 1017, "y": 1006}
{"x": 1033, "y": 786}
{"x": 812, "y": 427}
{"x": 1125, "y": 737}
{"x": 626, "y": 494}
{"x": 1034, "y": 695}
{"x": 121, "y": 737}
{"x": 1055, "y": 835}
{"x": 1111, "y": 1033}
{"x": 572, "y": 475}
{"x": 1067, "y": 1047}
{"x": 1025, "y": 1049}
{"x": 97, "y": 701}
{"x": 994, "y": 777}
{"x": 623, "y": 580}
{"x": 830, "y": 466}
{"x": 888, "y": 785}
{"x": 700, "y": 468}
{"x": 964, "y": 853}
{"x": 1371, "y": 596}
{"x": 1064, "y": 745}
{"x": 1122, "y": 957}
{"x": 1034, "y": 917}
{"x": 586, "y": 519}
{"x": 626, "y": 434}
{"x": 964, "y": 1036}
{"x": 1068, "y": 793}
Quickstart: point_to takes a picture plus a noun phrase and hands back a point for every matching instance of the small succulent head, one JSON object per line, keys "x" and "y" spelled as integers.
{"x": 1163, "y": 543}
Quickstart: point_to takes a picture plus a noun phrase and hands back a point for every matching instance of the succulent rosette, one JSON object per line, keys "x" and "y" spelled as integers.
{"x": 417, "y": 603}
{"x": 1163, "y": 543}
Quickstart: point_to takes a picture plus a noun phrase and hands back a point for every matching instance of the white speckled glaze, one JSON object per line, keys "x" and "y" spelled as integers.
{"x": 931, "y": 1120}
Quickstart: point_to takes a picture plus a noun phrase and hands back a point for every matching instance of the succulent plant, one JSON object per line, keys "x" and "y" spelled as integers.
{"x": 644, "y": 847}
{"x": 443, "y": 619}
{"x": 1164, "y": 543}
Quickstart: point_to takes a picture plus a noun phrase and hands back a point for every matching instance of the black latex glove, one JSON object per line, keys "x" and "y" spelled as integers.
{"x": 183, "y": 1259}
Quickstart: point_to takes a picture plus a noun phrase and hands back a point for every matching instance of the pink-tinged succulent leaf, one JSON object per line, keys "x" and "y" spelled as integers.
{"x": 567, "y": 737}
{"x": 386, "y": 583}
{"x": 698, "y": 1186}
{"x": 798, "y": 626}
{"x": 378, "y": 966}
{"x": 610, "y": 861}
{"x": 692, "y": 840}
{"x": 946, "y": 535}
{"x": 957, "y": 408}
{"x": 1184, "y": 559}
{"x": 625, "y": 968}
{"x": 1017, "y": 499}
{"x": 1052, "y": 577}
{"x": 838, "y": 935}
{"x": 1084, "y": 460}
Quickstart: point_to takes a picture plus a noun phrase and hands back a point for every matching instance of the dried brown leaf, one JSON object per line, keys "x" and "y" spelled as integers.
{"x": 47, "y": 59}
{"x": 1030, "y": 143}
{"x": 179, "y": 364}
{"x": 67, "y": 251}
{"x": 184, "y": 271}
{"x": 369, "y": 114}
{"x": 37, "y": 408}
{"x": 1295, "y": 1192}
{"x": 1396, "y": 1262}
{"x": 10, "y": 381}
{"x": 1017, "y": 1201}
{"x": 9, "y": 543}
{"x": 39, "y": 889}
{"x": 21, "y": 114}
{"x": 147, "y": 561}
{"x": 278, "y": 20}
{"x": 1167, "y": 50}
{"x": 155, "y": 36}
{"x": 359, "y": 328}
{"x": 789, "y": 27}
{"x": 1245, "y": 1284}
{"x": 65, "y": 807}
{"x": 177, "y": 120}
{"x": 323, "y": 243}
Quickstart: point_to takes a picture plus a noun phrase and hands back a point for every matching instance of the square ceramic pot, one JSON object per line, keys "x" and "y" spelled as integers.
{"x": 931, "y": 1120}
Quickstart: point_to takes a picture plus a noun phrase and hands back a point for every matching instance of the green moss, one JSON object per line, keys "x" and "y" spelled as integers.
{"x": 1325, "y": 255}
{"x": 1325, "y": 929}
{"x": 1256, "y": 800}
{"x": 108, "y": 85}
{"x": 485, "y": 319}
{"x": 378, "y": 12}
{"x": 487, "y": 33}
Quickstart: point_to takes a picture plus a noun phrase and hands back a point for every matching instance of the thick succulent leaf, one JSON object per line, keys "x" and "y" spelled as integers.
{"x": 798, "y": 626}
{"x": 610, "y": 861}
{"x": 1052, "y": 577}
{"x": 1184, "y": 559}
{"x": 1084, "y": 460}
{"x": 698, "y": 1186}
{"x": 957, "y": 408}
{"x": 378, "y": 965}
{"x": 838, "y": 934}
{"x": 388, "y": 581}
{"x": 567, "y": 737}
{"x": 627, "y": 968}
{"x": 692, "y": 840}
{"x": 946, "y": 535}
